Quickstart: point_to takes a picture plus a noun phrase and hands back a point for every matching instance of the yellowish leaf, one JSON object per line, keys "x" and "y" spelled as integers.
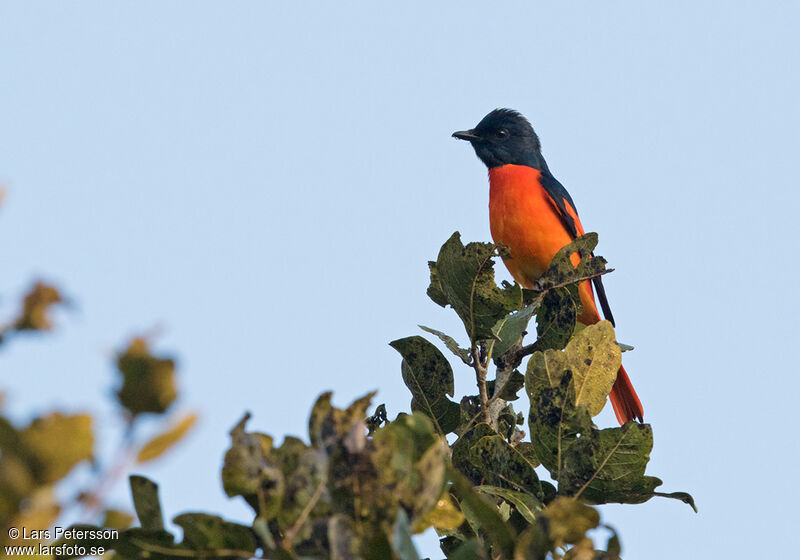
{"x": 593, "y": 358}
{"x": 445, "y": 517}
{"x": 36, "y": 306}
{"x": 117, "y": 519}
{"x": 165, "y": 440}
{"x": 569, "y": 520}
{"x": 57, "y": 442}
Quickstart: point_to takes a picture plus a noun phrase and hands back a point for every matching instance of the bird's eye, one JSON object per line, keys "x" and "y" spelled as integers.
{"x": 502, "y": 133}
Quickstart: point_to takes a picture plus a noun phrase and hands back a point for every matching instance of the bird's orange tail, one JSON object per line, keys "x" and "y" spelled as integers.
{"x": 626, "y": 403}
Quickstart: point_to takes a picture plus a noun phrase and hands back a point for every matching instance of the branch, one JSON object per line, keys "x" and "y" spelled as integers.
{"x": 513, "y": 358}
{"x": 95, "y": 499}
{"x": 480, "y": 375}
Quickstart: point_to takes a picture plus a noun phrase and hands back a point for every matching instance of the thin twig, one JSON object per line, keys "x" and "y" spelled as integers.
{"x": 94, "y": 500}
{"x": 485, "y": 399}
{"x": 292, "y": 531}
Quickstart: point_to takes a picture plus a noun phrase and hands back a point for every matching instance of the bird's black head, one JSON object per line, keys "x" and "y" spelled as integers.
{"x": 505, "y": 137}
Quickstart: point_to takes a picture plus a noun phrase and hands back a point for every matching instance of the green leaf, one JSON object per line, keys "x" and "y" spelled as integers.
{"x": 410, "y": 459}
{"x": 17, "y": 482}
{"x": 145, "y": 543}
{"x": 613, "y": 547}
{"x": 249, "y": 471}
{"x": 429, "y": 480}
{"x": 304, "y": 471}
{"x": 328, "y": 426}
{"x": 146, "y": 503}
{"x": 377, "y": 419}
{"x": 161, "y": 443}
{"x": 562, "y": 271}
{"x": 461, "y": 451}
{"x": 470, "y": 550}
{"x": 525, "y": 504}
{"x": 555, "y": 321}
{"x": 501, "y": 465}
{"x": 569, "y": 520}
{"x": 451, "y": 344}
{"x": 614, "y": 472}
{"x": 435, "y": 288}
{"x": 500, "y": 534}
{"x": 11, "y": 439}
{"x": 402, "y": 545}
{"x": 685, "y": 497}
{"x": 117, "y": 519}
{"x": 525, "y": 448}
{"x": 508, "y": 387}
{"x": 601, "y": 466}
{"x": 429, "y": 377}
{"x": 148, "y": 382}
{"x": 624, "y": 347}
{"x": 55, "y": 443}
{"x": 71, "y": 546}
{"x": 36, "y": 307}
{"x": 202, "y": 531}
{"x": 320, "y": 412}
{"x": 509, "y": 330}
{"x": 592, "y": 356}
{"x": 554, "y": 420}
{"x": 379, "y": 548}
{"x": 463, "y": 277}
{"x": 444, "y": 517}
{"x": 533, "y": 544}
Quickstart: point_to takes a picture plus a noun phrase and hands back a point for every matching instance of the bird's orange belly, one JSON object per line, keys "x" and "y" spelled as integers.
{"x": 523, "y": 218}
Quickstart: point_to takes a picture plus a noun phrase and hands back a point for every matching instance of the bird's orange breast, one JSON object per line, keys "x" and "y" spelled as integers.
{"x": 523, "y": 217}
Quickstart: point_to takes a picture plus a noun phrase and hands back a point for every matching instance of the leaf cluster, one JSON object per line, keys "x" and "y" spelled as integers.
{"x": 38, "y": 457}
{"x": 493, "y": 482}
{"x": 342, "y": 495}
{"x": 568, "y": 377}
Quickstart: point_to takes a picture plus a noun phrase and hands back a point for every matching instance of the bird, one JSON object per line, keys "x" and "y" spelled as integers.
{"x": 533, "y": 216}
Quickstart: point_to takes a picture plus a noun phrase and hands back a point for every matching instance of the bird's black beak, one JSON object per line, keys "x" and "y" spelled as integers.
{"x": 467, "y": 135}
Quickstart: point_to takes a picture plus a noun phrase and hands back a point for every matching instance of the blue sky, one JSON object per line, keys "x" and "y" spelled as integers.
{"x": 265, "y": 182}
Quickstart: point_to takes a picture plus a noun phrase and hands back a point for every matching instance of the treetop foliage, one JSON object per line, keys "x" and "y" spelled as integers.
{"x": 492, "y": 481}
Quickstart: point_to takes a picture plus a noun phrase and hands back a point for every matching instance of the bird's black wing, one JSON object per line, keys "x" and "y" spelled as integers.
{"x": 561, "y": 198}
